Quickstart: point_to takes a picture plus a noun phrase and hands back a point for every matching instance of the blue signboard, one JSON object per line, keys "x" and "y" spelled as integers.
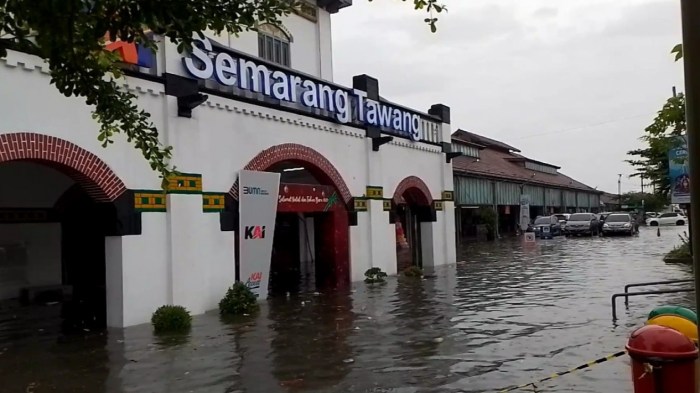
{"x": 679, "y": 177}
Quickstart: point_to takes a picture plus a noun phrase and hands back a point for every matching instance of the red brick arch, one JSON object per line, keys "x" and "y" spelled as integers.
{"x": 320, "y": 166}
{"x": 85, "y": 168}
{"x": 414, "y": 189}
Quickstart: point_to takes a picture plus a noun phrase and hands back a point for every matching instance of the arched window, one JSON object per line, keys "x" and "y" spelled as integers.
{"x": 273, "y": 44}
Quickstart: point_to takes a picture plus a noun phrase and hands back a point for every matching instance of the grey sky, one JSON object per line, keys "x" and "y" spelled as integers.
{"x": 569, "y": 82}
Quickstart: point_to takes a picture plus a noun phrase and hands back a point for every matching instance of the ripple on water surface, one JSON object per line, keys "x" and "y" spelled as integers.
{"x": 504, "y": 316}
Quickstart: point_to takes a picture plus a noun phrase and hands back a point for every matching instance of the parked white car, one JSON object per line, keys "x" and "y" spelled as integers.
{"x": 668, "y": 219}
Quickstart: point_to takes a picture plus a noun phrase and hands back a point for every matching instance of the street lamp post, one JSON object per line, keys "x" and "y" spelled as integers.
{"x": 619, "y": 191}
{"x": 690, "y": 15}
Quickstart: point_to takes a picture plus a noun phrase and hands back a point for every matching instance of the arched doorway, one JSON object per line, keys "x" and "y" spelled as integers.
{"x": 311, "y": 241}
{"x": 55, "y": 210}
{"x": 411, "y": 205}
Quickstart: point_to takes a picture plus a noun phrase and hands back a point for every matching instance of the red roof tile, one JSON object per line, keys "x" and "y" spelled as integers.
{"x": 501, "y": 164}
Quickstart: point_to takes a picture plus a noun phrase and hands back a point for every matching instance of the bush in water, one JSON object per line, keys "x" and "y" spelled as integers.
{"x": 171, "y": 319}
{"x": 239, "y": 300}
{"x": 413, "y": 271}
{"x": 374, "y": 274}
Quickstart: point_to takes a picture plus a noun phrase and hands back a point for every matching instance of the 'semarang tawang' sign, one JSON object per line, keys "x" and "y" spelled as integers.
{"x": 246, "y": 74}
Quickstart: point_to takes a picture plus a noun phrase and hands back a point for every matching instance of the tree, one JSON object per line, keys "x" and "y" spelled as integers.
{"x": 652, "y": 162}
{"x": 652, "y": 202}
{"x": 70, "y": 35}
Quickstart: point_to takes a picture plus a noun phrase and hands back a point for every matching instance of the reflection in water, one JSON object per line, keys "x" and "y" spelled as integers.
{"x": 308, "y": 332}
{"x": 504, "y": 316}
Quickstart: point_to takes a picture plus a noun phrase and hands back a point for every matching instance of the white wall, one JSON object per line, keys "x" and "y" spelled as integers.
{"x": 182, "y": 255}
{"x": 310, "y": 49}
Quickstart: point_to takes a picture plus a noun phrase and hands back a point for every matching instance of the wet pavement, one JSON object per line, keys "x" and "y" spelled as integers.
{"x": 507, "y": 315}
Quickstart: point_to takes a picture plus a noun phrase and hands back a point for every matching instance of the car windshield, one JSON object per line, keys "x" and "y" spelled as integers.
{"x": 542, "y": 220}
{"x": 561, "y": 217}
{"x": 580, "y": 217}
{"x": 618, "y": 218}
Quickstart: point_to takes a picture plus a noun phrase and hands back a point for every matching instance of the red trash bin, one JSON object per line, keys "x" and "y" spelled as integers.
{"x": 663, "y": 360}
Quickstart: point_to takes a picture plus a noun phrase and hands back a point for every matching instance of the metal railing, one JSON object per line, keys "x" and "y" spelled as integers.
{"x": 628, "y": 294}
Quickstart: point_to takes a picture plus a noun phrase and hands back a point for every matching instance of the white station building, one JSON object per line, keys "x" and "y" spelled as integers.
{"x": 365, "y": 182}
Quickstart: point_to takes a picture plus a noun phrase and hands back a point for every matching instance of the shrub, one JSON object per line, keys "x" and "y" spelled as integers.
{"x": 374, "y": 275}
{"x": 682, "y": 250}
{"x": 239, "y": 299}
{"x": 413, "y": 271}
{"x": 171, "y": 319}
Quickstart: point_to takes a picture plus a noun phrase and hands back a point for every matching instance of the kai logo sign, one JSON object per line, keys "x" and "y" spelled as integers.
{"x": 254, "y": 232}
{"x": 254, "y": 281}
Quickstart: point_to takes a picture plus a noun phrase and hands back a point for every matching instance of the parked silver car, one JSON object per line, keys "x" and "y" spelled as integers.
{"x": 582, "y": 224}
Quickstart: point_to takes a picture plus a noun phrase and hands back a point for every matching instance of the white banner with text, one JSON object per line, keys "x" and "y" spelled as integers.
{"x": 257, "y": 205}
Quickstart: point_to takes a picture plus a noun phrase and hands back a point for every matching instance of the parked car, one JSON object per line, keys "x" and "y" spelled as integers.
{"x": 668, "y": 219}
{"x": 620, "y": 223}
{"x": 582, "y": 224}
{"x": 563, "y": 218}
{"x": 547, "y": 227}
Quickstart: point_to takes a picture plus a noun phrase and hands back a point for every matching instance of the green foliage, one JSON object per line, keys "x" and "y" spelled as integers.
{"x": 682, "y": 250}
{"x": 413, "y": 271}
{"x": 678, "y": 51}
{"x": 171, "y": 319}
{"x": 239, "y": 300}
{"x": 70, "y": 36}
{"x": 652, "y": 162}
{"x": 652, "y": 202}
{"x": 489, "y": 218}
{"x": 374, "y": 275}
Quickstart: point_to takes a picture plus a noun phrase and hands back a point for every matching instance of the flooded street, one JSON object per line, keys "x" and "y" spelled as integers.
{"x": 505, "y": 316}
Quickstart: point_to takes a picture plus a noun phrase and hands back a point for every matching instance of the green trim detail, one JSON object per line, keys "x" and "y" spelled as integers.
{"x": 213, "y": 202}
{"x": 360, "y": 204}
{"x": 386, "y": 204}
{"x": 374, "y": 192}
{"x": 150, "y": 201}
{"x": 448, "y": 195}
{"x": 185, "y": 183}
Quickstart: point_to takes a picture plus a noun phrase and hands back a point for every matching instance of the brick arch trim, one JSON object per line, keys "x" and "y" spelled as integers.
{"x": 295, "y": 152}
{"x": 410, "y": 184}
{"x": 85, "y": 168}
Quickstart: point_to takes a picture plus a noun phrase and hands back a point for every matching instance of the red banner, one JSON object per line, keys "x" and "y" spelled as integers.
{"x": 307, "y": 198}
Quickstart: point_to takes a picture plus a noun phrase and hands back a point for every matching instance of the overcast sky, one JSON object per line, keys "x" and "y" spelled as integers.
{"x": 568, "y": 82}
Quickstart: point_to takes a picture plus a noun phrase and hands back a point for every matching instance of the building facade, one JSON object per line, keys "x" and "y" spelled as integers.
{"x": 358, "y": 173}
{"x": 491, "y": 174}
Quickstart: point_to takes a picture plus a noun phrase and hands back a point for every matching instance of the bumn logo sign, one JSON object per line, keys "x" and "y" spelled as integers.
{"x": 254, "y": 191}
{"x": 254, "y": 232}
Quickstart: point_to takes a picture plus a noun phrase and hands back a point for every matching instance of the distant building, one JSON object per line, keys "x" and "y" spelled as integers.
{"x": 609, "y": 202}
{"x": 493, "y": 174}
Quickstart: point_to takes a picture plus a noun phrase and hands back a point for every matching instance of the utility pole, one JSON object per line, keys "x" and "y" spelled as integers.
{"x": 641, "y": 177}
{"x": 619, "y": 191}
{"x": 690, "y": 15}
{"x": 674, "y": 92}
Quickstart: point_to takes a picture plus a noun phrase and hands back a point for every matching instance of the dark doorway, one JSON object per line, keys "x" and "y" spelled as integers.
{"x": 285, "y": 265}
{"x": 83, "y": 223}
{"x": 408, "y": 238}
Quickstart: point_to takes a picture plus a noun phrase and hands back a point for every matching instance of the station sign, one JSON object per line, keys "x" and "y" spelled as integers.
{"x": 243, "y": 75}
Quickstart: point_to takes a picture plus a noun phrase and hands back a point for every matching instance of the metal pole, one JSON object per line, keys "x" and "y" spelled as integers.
{"x": 690, "y": 15}
{"x": 619, "y": 191}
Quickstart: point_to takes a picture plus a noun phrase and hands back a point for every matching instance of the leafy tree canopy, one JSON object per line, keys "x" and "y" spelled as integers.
{"x": 651, "y": 162}
{"x": 652, "y": 202}
{"x": 70, "y": 35}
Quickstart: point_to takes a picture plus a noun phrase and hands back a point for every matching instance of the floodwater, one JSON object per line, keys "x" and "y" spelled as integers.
{"x": 505, "y": 316}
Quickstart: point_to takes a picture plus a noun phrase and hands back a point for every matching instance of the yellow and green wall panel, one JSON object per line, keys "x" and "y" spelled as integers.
{"x": 213, "y": 202}
{"x": 150, "y": 201}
